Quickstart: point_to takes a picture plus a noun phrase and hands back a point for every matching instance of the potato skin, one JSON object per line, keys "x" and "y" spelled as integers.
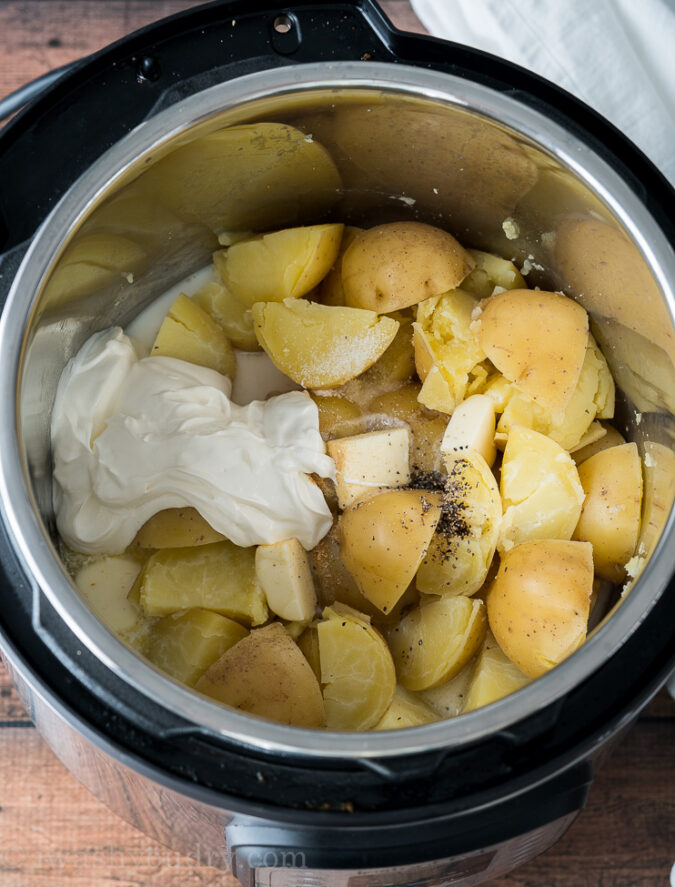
{"x": 399, "y": 264}
{"x": 265, "y": 674}
{"x": 610, "y": 516}
{"x": 539, "y": 602}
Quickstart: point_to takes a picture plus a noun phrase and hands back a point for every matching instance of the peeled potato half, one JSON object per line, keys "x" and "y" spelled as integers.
{"x": 399, "y": 264}
{"x": 321, "y": 346}
{"x": 537, "y": 340}
{"x": 539, "y": 602}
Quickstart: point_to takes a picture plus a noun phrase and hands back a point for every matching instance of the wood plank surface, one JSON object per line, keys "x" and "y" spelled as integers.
{"x": 53, "y": 833}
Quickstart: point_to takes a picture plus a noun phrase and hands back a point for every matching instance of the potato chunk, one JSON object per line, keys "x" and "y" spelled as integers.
{"x": 435, "y": 641}
{"x": 384, "y": 540}
{"x": 319, "y": 346}
{"x": 539, "y": 602}
{"x": 189, "y": 333}
{"x": 494, "y": 676}
{"x": 283, "y": 571}
{"x": 105, "y": 584}
{"x": 406, "y": 710}
{"x": 219, "y": 577}
{"x": 234, "y": 317}
{"x": 356, "y": 670}
{"x": 368, "y": 463}
{"x": 491, "y": 271}
{"x": 337, "y": 415}
{"x": 176, "y": 528}
{"x": 265, "y": 674}
{"x": 463, "y": 546}
{"x": 281, "y": 265}
{"x": 537, "y": 340}
{"x": 401, "y": 263}
{"x": 540, "y": 489}
{"x": 471, "y": 428}
{"x": 185, "y": 644}
{"x": 610, "y": 517}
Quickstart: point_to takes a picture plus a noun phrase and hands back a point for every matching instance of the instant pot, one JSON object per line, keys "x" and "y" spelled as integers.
{"x": 110, "y": 192}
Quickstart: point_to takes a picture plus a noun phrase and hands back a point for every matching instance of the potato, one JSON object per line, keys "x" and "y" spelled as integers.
{"x": 471, "y": 428}
{"x": 540, "y": 488}
{"x": 401, "y": 403}
{"x": 462, "y": 548}
{"x": 494, "y": 676}
{"x": 406, "y": 710}
{"x": 657, "y": 501}
{"x": 401, "y": 263}
{"x": 189, "y": 333}
{"x": 427, "y": 433}
{"x": 447, "y": 356}
{"x": 185, "y": 644}
{"x": 491, "y": 271}
{"x": 368, "y": 463}
{"x": 610, "y": 517}
{"x": 234, "y": 317}
{"x": 384, "y": 539}
{"x": 611, "y": 438}
{"x": 219, "y": 577}
{"x": 447, "y": 699}
{"x": 332, "y": 580}
{"x": 330, "y": 291}
{"x": 356, "y": 670}
{"x": 397, "y": 364}
{"x": 176, "y": 528}
{"x": 337, "y": 415}
{"x": 281, "y": 265}
{"x": 539, "y": 602}
{"x": 320, "y": 346}
{"x": 435, "y": 641}
{"x": 537, "y": 340}
{"x": 105, "y": 583}
{"x": 283, "y": 572}
{"x": 308, "y": 642}
{"x": 593, "y": 397}
{"x": 265, "y": 674}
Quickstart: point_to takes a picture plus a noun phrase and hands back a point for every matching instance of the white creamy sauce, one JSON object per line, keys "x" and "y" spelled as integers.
{"x": 133, "y": 436}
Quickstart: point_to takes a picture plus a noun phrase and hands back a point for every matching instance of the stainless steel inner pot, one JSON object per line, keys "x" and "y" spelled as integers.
{"x": 406, "y": 143}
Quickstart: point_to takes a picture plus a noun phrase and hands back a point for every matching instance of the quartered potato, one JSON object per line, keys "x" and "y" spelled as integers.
{"x": 368, "y": 463}
{"x": 233, "y": 316}
{"x": 357, "y": 671}
{"x": 385, "y": 538}
{"x": 265, "y": 674}
{"x": 435, "y": 641}
{"x": 491, "y": 271}
{"x": 471, "y": 429}
{"x": 282, "y": 265}
{"x": 537, "y": 340}
{"x": 189, "y": 333}
{"x": 610, "y": 517}
{"x": 462, "y": 548}
{"x": 494, "y": 676}
{"x": 539, "y": 602}
{"x": 448, "y": 698}
{"x": 540, "y": 488}
{"x": 399, "y": 264}
{"x": 185, "y": 644}
{"x": 176, "y": 528}
{"x": 337, "y": 415}
{"x": 308, "y": 342}
{"x": 283, "y": 572}
{"x": 406, "y": 710}
{"x": 105, "y": 584}
{"x": 219, "y": 577}
{"x": 448, "y": 358}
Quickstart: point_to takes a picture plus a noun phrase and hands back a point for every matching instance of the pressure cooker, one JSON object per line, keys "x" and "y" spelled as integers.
{"x": 417, "y": 128}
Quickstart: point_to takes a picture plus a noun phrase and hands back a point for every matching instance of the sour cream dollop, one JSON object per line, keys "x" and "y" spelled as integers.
{"x": 131, "y": 437}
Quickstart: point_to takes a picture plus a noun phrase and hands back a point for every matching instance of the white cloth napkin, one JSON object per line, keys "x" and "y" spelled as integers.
{"x": 618, "y": 56}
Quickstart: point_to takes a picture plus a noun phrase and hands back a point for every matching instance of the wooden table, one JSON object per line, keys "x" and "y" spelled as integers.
{"x": 53, "y": 833}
